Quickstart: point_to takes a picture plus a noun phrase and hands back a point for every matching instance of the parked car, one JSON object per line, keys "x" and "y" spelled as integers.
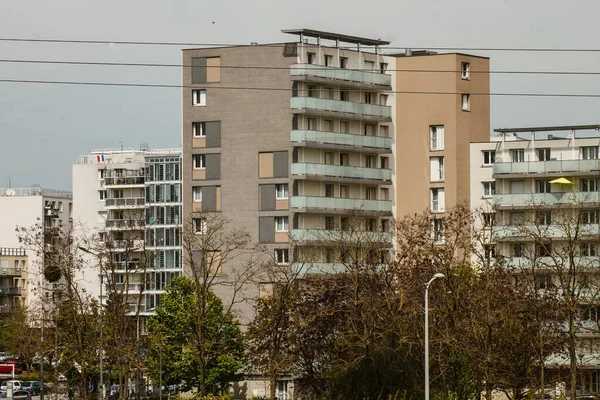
{"x": 7, "y": 367}
{"x": 588, "y": 397}
{"x": 33, "y": 387}
{"x": 4, "y": 356}
{"x": 17, "y": 395}
{"x": 16, "y": 385}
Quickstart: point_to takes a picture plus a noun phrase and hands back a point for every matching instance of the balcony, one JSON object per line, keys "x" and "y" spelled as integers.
{"x": 547, "y": 167}
{"x": 124, "y": 224}
{"x": 340, "y": 109}
{"x": 318, "y": 268}
{"x": 524, "y": 200}
{"x": 131, "y": 202}
{"x": 4, "y": 272}
{"x": 51, "y": 212}
{"x": 10, "y": 291}
{"x": 340, "y": 140}
{"x": 124, "y": 181}
{"x": 325, "y": 235}
{"x": 341, "y": 173}
{"x": 126, "y": 245}
{"x": 526, "y": 263}
{"x": 329, "y": 204}
{"x": 6, "y": 309}
{"x": 340, "y": 76}
{"x": 537, "y": 232}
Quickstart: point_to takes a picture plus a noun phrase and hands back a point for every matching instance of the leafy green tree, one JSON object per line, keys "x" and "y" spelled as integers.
{"x": 211, "y": 360}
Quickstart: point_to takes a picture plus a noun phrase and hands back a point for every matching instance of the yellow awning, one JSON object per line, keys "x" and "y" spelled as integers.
{"x": 563, "y": 181}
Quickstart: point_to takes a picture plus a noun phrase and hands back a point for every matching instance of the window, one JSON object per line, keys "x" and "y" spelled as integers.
{"x": 369, "y": 130}
{"x": 344, "y": 159}
{"x": 543, "y": 282}
{"x": 344, "y": 191}
{"x": 328, "y": 158}
{"x": 311, "y": 124}
{"x": 328, "y": 59}
{"x": 384, "y": 194}
{"x": 370, "y": 162}
{"x": 489, "y": 251}
{"x": 311, "y": 58}
{"x": 385, "y": 225}
{"x": 368, "y": 98}
{"x": 281, "y": 224}
{"x": 200, "y": 225}
{"x": 383, "y": 67}
{"x": 371, "y": 225}
{"x": 589, "y": 185}
{"x": 589, "y": 152}
{"x": 199, "y": 129}
{"x": 590, "y": 217}
{"x": 437, "y": 200}
{"x": 588, "y": 249}
{"x": 544, "y": 249}
{"x": 330, "y": 223}
{"x": 517, "y": 155}
{"x": 383, "y": 99}
{"x": 489, "y": 219}
{"x": 281, "y": 191}
{"x": 343, "y": 62}
{"x": 517, "y": 218}
{"x": 544, "y": 217}
{"x": 384, "y": 131}
{"x": 438, "y": 230}
{"x": 344, "y": 223}
{"x": 197, "y": 191}
{"x": 329, "y": 255}
{"x": 199, "y": 161}
{"x": 543, "y": 186}
{"x": 344, "y": 127}
{"x": 282, "y": 256}
{"x": 102, "y": 194}
{"x": 371, "y": 193}
{"x": 369, "y": 65}
{"x": 436, "y": 167}
{"x": 328, "y": 190}
{"x": 465, "y": 69}
{"x": 384, "y": 163}
{"x": 199, "y": 97}
{"x": 436, "y": 135}
{"x": 489, "y": 157}
{"x": 489, "y": 189}
{"x": 517, "y": 250}
{"x": 466, "y": 102}
{"x": 312, "y": 91}
{"x": 328, "y": 93}
{"x": 543, "y": 154}
{"x": 328, "y": 125}
{"x": 344, "y": 95}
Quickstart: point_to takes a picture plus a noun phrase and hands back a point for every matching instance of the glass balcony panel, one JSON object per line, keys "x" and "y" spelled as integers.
{"x": 344, "y": 139}
{"x": 341, "y": 74}
{"x": 529, "y": 199}
{"x": 341, "y": 171}
{"x": 340, "y": 106}
{"x": 331, "y": 203}
{"x": 537, "y": 167}
{"x": 324, "y": 235}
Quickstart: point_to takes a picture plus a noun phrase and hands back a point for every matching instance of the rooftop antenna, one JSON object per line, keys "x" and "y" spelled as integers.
{"x": 121, "y": 142}
{"x": 9, "y": 182}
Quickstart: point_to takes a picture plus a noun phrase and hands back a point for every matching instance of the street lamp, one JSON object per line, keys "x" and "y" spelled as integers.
{"x": 436, "y": 276}
{"x": 86, "y": 250}
{"x": 160, "y": 369}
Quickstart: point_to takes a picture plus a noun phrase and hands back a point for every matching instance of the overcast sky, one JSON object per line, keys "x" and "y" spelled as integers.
{"x": 44, "y": 127}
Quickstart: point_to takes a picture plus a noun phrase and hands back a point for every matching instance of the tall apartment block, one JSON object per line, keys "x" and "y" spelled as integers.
{"x": 511, "y": 179}
{"x": 131, "y": 201}
{"x": 20, "y": 269}
{"x": 289, "y": 140}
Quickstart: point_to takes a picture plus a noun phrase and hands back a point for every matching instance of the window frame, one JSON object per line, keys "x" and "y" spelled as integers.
{"x": 199, "y": 97}
{"x": 282, "y": 256}
{"x": 284, "y": 222}
{"x": 490, "y": 155}
{"x": 202, "y": 161}
{"x": 195, "y": 191}
{"x": 465, "y": 105}
{"x": 200, "y": 226}
{"x": 202, "y": 126}
{"x": 437, "y": 132}
{"x": 281, "y": 191}
{"x": 489, "y": 188}
{"x": 465, "y": 70}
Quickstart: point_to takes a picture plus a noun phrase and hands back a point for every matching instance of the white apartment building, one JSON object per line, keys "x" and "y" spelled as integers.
{"x": 27, "y": 207}
{"x": 545, "y": 180}
{"x": 130, "y": 201}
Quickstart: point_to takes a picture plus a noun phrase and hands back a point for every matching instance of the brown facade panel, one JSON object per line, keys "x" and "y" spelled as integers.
{"x": 213, "y": 69}
{"x": 282, "y": 237}
{"x": 282, "y": 204}
{"x": 198, "y": 142}
{"x": 199, "y": 174}
{"x": 265, "y": 165}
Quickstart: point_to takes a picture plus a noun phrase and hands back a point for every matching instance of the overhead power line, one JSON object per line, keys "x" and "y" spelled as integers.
{"x": 187, "y": 44}
{"x": 314, "y": 67}
{"x": 152, "y": 85}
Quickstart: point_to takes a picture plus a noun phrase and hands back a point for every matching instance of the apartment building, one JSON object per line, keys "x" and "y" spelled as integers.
{"x": 130, "y": 201}
{"x": 13, "y": 278}
{"x": 48, "y": 209}
{"x": 537, "y": 187}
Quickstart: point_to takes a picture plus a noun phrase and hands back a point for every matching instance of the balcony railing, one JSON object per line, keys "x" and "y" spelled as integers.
{"x": 342, "y": 107}
{"x": 124, "y": 223}
{"x": 10, "y": 272}
{"x": 335, "y": 203}
{"x": 12, "y": 251}
{"x": 543, "y": 199}
{"x": 341, "y": 74}
{"x": 539, "y": 167}
{"x": 341, "y": 171}
{"x": 325, "y": 235}
{"x": 132, "y": 180}
{"x": 10, "y": 291}
{"x": 318, "y": 268}
{"x": 132, "y": 201}
{"x": 342, "y": 139}
{"x": 507, "y": 232}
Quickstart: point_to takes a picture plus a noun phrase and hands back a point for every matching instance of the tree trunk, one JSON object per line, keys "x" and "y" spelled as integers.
{"x": 572, "y": 355}
{"x": 272, "y": 385}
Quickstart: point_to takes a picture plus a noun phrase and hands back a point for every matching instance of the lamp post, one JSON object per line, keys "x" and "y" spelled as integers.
{"x": 86, "y": 250}
{"x": 436, "y": 276}
{"x": 160, "y": 368}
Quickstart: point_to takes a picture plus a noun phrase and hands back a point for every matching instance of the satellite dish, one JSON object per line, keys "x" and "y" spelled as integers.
{"x": 10, "y": 192}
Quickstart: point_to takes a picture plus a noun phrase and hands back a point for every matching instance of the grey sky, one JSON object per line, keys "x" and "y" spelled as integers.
{"x": 44, "y": 127}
